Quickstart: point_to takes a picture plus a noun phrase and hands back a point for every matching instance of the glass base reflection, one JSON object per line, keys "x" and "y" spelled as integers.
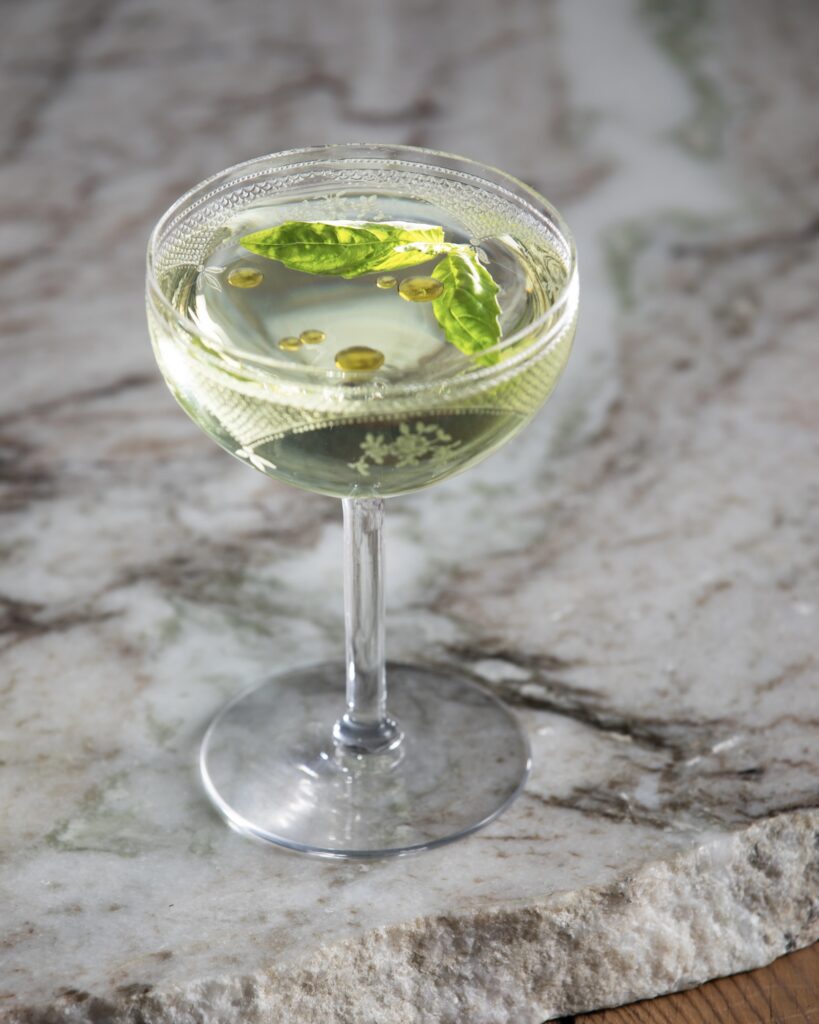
{"x": 271, "y": 767}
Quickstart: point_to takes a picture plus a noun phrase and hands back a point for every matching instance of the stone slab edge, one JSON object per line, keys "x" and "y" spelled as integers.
{"x": 731, "y": 904}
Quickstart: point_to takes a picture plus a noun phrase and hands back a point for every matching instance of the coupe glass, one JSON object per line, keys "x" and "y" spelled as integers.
{"x": 286, "y": 761}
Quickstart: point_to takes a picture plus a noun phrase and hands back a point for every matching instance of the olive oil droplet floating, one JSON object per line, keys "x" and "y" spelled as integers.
{"x": 290, "y": 344}
{"x": 245, "y": 277}
{"x": 312, "y": 337}
{"x": 386, "y": 281}
{"x": 359, "y": 357}
{"x": 420, "y": 289}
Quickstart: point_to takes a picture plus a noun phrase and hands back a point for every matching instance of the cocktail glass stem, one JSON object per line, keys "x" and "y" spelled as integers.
{"x": 365, "y": 727}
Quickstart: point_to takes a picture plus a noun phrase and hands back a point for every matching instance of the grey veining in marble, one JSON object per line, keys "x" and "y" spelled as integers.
{"x": 637, "y": 574}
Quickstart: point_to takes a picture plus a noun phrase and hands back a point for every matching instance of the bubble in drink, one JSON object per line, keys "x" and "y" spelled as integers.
{"x": 290, "y": 344}
{"x": 245, "y": 277}
{"x": 420, "y": 289}
{"x": 359, "y": 357}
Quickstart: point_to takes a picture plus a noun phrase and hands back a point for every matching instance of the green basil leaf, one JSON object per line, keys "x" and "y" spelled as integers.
{"x": 468, "y": 308}
{"x": 345, "y": 249}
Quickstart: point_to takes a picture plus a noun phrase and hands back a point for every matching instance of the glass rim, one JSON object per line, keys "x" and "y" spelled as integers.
{"x": 259, "y": 367}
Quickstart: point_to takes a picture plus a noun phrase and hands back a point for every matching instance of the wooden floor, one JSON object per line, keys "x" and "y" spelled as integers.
{"x": 785, "y": 992}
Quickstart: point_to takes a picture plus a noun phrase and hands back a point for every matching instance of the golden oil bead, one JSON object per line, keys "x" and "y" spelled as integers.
{"x": 312, "y": 337}
{"x": 245, "y": 277}
{"x": 289, "y": 344}
{"x": 420, "y": 289}
{"x": 359, "y": 357}
{"x": 386, "y": 281}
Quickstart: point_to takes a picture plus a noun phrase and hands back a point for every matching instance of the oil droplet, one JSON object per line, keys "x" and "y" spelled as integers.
{"x": 420, "y": 289}
{"x": 289, "y": 344}
{"x": 359, "y": 357}
{"x": 386, "y": 281}
{"x": 312, "y": 337}
{"x": 245, "y": 277}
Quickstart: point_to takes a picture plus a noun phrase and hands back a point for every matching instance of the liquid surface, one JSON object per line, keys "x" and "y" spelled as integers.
{"x": 351, "y": 387}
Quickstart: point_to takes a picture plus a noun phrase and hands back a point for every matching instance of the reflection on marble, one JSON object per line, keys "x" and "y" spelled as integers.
{"x": 636, "y": 574}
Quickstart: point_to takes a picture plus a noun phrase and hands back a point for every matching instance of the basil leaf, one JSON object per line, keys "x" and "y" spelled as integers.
{"x": 468, "y": 308}
{"x": 347, "y": 250}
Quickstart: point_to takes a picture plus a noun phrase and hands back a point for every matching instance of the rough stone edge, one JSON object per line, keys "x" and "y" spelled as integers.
{"x": 731, "y": 904}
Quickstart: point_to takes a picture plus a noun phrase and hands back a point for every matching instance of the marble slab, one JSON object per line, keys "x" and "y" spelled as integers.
{"x": 636, "y": 575}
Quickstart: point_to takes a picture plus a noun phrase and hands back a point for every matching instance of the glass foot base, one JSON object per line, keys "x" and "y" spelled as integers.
{"x": 271, "y": 767}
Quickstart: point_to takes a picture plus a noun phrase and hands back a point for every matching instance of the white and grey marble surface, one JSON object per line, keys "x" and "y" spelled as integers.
{"x": 637, "y": 574}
